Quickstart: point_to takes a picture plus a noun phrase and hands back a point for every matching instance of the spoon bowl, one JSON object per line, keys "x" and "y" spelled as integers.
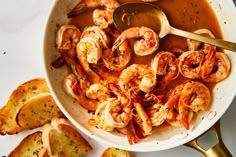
{"x": 139, "y": 14}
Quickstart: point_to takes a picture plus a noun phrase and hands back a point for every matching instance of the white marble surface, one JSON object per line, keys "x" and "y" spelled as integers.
{"x": 22, "y": 24}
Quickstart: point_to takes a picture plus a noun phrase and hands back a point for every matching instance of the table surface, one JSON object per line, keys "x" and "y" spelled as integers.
{"x": 22, "y": 25}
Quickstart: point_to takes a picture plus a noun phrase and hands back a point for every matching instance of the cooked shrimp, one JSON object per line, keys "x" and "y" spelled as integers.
{"x": 122, "y": 112}
{"x": 137, "y": 76}
{"x": 121, "y": 115}
{"x": 142, "y": 119}
{"x": 196, "y": 45}
{"x": 115, "y": 112}
{"x": 85, "y": 4}
{"x": 73, "y": 88}
{"x": 220, "y": 70}
{"x": 165, "y": 63}
{"x": 130, "y": 132}
{"x": 209, "y": 52}
{"x": 107, "y": 116}
{"x": 88, "y": 96}
{"x": 175, "y": 110}
{"x": 103, "y": 18}
{"x": 157, "y": 112}
{"x": 190, "y": 64}
{"x": 117, "y": 60}
{"x": 89, "y": 51}
{"x": 98, "y": 91}
{"x": 97, "y": 34}
{"x": 67, "y": 38}
{"x": 172, "y": 104}
{"x": 197, "y": 63}
{"x": 106, "y": 74}
{"x": 195, "y": 96}
{"x": 82, "y": 78}
{"x": 100, "y": 119}
{"x": 181, "y": 117}
{"x": 185, "y": 114}
{"x": 208, "y": 61}
{"x": 148, "y": 43}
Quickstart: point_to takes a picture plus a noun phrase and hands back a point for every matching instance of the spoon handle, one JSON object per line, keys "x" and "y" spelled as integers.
{"x": 213, "y": 41}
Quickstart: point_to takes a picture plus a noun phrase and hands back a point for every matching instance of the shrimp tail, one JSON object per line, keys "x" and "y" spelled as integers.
{"x": 59, "y": 62}
{"x": 132, "y": 137}
{"x": 117, "y": 43}
{"x": 69, "y": 58}
{"x": 130, "y": 132}
{"x": 184, "y": 118}
{"x": 77, "y": 10}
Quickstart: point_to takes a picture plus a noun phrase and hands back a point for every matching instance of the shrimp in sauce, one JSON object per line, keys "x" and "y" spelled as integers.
{"x": 196, "y": 45}
{"x": 147, "y": 45}
{"x": 67, "y": 38}
{"x": 117, "y": 60}
{"x": 89, "y": 51}
{"x": 220, "y": 70}
{"x": 195, "y": 97}
{"x": 73, "y": 88}
{"x": 165, "y": 64}
{"x": 99, "y": 92}
{"x": 140, "y": 116}
{"x": 115, "y": 112}
{"x": 97, "y": 34}
{"x": 157, "y": 112}
{"x": 101, "y": 17}
{"x": 190, "y": 64}
{"x": 85, "y": 4}
{"x": 209, "y": 52}
{"x": 172, "y": 103}
{"x": 137, "y": 76}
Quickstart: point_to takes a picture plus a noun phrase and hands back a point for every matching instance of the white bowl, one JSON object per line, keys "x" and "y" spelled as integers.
{"x": 223, "y": 93}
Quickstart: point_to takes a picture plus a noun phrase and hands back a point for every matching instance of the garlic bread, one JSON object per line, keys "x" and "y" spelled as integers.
{"x": 17, "y": 99}
{"x": 30, "y": 146}
{"x": 62, "y": 139}
{"x": 38, "y": 111}
{"x": 115, "y": 152}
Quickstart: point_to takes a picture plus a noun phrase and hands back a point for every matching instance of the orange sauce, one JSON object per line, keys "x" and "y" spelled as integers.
{"x": 182, "y": 14}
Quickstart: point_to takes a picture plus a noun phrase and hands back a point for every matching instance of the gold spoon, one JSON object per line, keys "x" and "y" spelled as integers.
{"x": 145, "y": 14}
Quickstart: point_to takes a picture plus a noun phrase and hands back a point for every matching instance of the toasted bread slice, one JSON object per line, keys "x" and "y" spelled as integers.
{"x": 38, "y": 111}
{"x": 17, "y": 99}
{"x": 62, "y": 139}
{"x": 30, "y": 146}
{"x": 115, "y": 152}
